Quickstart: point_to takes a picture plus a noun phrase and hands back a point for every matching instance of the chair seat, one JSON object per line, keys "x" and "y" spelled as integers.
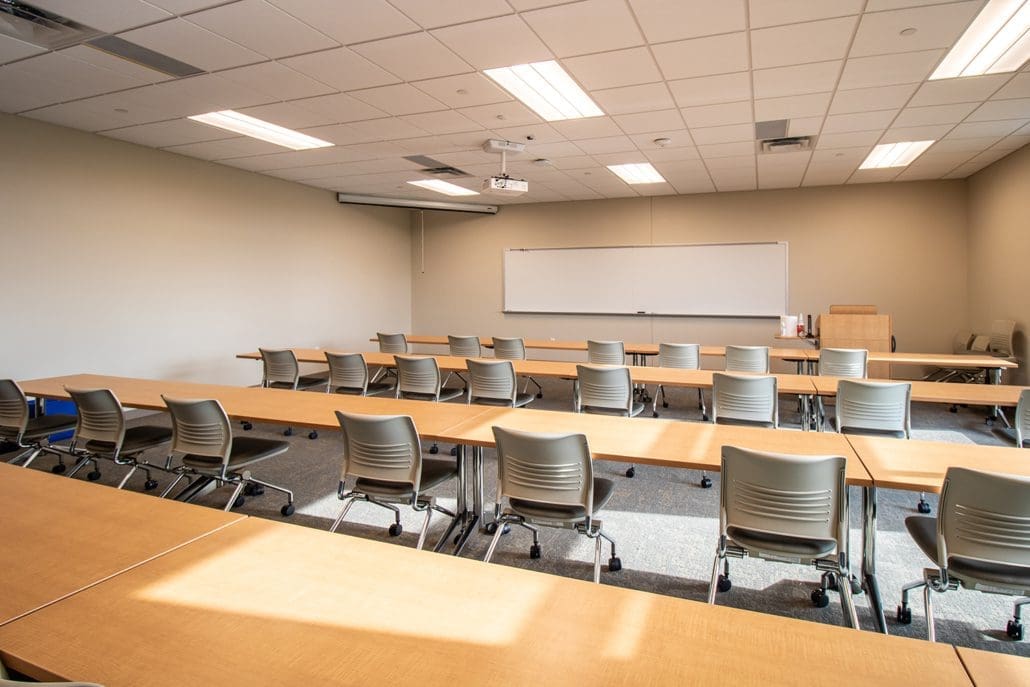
{"x": 778, "y": 543}
{"x": 39, "y": 427}
{"x": 373, "y": 389}
{"x": 434, "y": 473}
{"x": 892, "y": 433}
{"x": 743, "y": 423}
{"x": 445, "y": 395}
{"x": 635, "y": 410}
{"x": 603, "y": 490}
{"x": 520, "y": 401}
{"x": 923, "y": 529}
{"x": 137, "y": 439}
{"x": 312, "y": 380}
{"x": 245, "y": 450}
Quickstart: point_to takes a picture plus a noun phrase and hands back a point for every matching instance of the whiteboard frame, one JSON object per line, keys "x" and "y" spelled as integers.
{"x": 786, "y": 280}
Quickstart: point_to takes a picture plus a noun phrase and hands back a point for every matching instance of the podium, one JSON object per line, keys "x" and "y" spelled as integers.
{"x": 858, "y": 330}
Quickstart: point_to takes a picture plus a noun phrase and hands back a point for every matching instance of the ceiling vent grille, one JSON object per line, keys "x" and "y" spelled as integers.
{"x": 790, "y": 144}
{"x": 436, "y": 168}
{"x": 46, "y": 29}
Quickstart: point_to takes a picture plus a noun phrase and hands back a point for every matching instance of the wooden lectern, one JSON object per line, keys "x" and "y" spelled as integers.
{"x": 858, "y": 330}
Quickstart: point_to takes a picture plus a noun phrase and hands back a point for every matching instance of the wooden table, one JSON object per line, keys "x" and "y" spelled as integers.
{"x": 939, "y": 392}
{"x": 989, "y": 669}
{"x": 54, "y": 546}
{"x": 299, "y": 606}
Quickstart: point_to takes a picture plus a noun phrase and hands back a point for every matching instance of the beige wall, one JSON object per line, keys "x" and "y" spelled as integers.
{"x": 900, "y": 246}
{"x": 121, "y": 259}
{"x": 999, "y": 245}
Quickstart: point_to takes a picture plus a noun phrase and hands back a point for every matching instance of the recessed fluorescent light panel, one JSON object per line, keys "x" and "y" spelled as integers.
{"x": 547, "y": 90}
{"x": 444, "y": 187}
{"x": 997, "y": 41}
{"x": 895, "y": 154}
{"x": 256, "y": 128}
{"x": 638, "y": 173}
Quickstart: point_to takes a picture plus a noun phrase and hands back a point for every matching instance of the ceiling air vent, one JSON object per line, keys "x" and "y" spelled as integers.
{"x": 790, "y": 144}
{"x": 436, "y": 168}
{"x": 46, "y": 29}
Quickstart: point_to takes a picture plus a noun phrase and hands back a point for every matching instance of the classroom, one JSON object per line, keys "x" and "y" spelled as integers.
{"x": 151, "y": 246}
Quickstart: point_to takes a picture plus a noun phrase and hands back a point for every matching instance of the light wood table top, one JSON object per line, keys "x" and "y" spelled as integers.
{"x": 940, "y": 392}
{"x": 62, "y": 535}
{"x": 920, "y": 465}
{"x": 307, "y": 607}
{"x": 990, "y": 669}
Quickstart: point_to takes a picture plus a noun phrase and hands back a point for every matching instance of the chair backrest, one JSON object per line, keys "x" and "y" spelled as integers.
{"x": 745, "y": 399}
{"x": 280, "y": 367}
{"x": 874, "y": 407}
{"x": 980, "y": 344}
{"x": 347, "y": 371}
{"x": 381, "y": 447}
{"x": 1001, "y": 337}
{"x": 679, "y": 355}
{"x": 509, "y": 348}
{"x": 962, "y": 341}
{"x": 984, "y": 516}
{"x": 795, "y": 496}
{"x": 392, "y": 343}
{"x": 200, "y": 427}
{"x": 465, "y": 346}
{"x": 609, "y": 388}
{"x": 417, "y": 376}
{"x": 99, "y": 417}
{"x": 606, "y": 353}
{"x": 544, "y": 468}
{"x": 844, "y": 362}
{"x": 747, "y": 359}
{"x": 492, "y": 379}
{"x": 14, "y": 411}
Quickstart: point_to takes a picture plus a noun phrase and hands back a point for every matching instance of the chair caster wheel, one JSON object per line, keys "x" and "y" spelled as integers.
{"x": 923, "y": 507}
{"x": 665, "y": 404}
{"x": 93, "y": 476}
{"x": 989, "y": 421}
{"x": 904, "y": 615}
{"x": 253, "y": 489}
{"x": 240, "y": 500}
{"x": 704, "y": 417}
{"x": 1014, "y": 629}
{"x": 247, "y": 426}
{"x": 654, "y": 413}
{"x": 150, "y": 485}
{"x": 820, "y": 599}
{"x": 59, "y": 469}
{"x": 491, "y": 528}
{"x": 288, "y": 432}
{"x": 706, "y": 482}
{"x": 723, "y": 584}
{"x": 831, "y": 582}
{"x": 614, "y": 564}
{"x": 856, "y": 586}
{"x": 434, "y": 449}
{"x": 631, "y": 472}
{"x": 540, "y": 394}
{"x": 953, "y": 409}
{"x": 312, "y": 434}
{"x": 396, "y": 529}
{"x": 454, "y": 450}
{"x": 287, "y": 510}
{"x": 534, "y": 551}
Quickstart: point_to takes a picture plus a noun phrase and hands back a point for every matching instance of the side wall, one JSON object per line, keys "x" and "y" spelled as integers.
{"x": 125, "y": 260}
{"x": 999, "y": 245}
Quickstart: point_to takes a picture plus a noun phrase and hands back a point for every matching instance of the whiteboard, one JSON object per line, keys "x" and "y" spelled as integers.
{"x": 719, "y": 279}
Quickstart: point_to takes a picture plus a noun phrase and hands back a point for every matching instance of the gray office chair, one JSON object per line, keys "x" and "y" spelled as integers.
{"x": 493, "y": 382}
{"x": 515, "y": 349}
{"x": 606, "y": 390}
{"x": 785, "y": 509}
{"x": 419, "y": 379}
{"x": 282, "y": 371}
{"x": 30, "y": 434}
{"x": 463, "y": 347}
{"x": 202, "y": 437}
{"x": 979, "y": 540}
{"x": 390, "y": 343}
{"x": 606, "y": 352}
{"x": 747, "y": 359}
{"x": 383, "y": 455}
{"x": 682, "y": 357}
{"x": 961, "y": 343}
{"x": 850, "y": 363}
{"x": 548, "y": 481}
{"x": 743, "y": 400}
{"x": 348, "y": 374}
{"x": 101, "y": 434}
{"x": 1021, "y": 423}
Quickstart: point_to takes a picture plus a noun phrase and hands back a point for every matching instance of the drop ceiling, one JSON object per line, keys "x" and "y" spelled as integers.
{"x": 385, "y": 80}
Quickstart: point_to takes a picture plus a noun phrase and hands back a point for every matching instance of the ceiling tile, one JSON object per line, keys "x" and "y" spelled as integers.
{"x": 937, "y": 26}
{"x": 499, "y": 42}
{"x": 412, "y": 57}
{"x": 805, "y": 126}
{"x": 841, "y": 156}
{"x": 930, "y": 132}
{"x": 735, "y": 149}
{"x": 511, "y": 113}
{"x": 241, "y": 146}
{"x": 671, "y": 154}
{"x": 649, "y": 121}
{"x": 673, "y": 20}
{"x": 385, "y": 129}
{"x": 196, "y": 94}
{"x": 531, "y": 134}
{"x": 869, "y": 99}
{"x": 399, "y": 99}
{"x": 1018, "y": 108}
{"x": 738, "y": 163}
{"x": 612, "y": 69}
{"x": 585, "y": 27}
{"x": 984, "y": 129}
{"x": 881, "y": 5}
{"x": 290, "y": 115}
{"x": 818, "y": 175}
{"x": 555, "y": 150}
{"x": 443, "y": 12}
{"x": 339, "y": 108}
{"x": 714, "y": 115}
{"x": 859, "y": 121}
{"x": 703, "y": 56}
{"x": 777, "y": 12}
{"x": 797, "y": 43}
{"x": 81, "y": 114}
{"x": 109, "y": 16}
{"x": 874, "y": 176}
{"x": 103, "y": 60}
{"x": 851, "y": 139}
{"x": 963, "y": 145}
{"x": 342, "y": 68}
{"x": 818, "y": 77}
{"x": 263, "y": 28}
{"x": 446, "y": 122}
{"x": 169, "y": 133}
{"x": 337, "y": 19}
{"x": 583, "y": 162}
{"x": 934, "y": 114}
{"x": 463, "y": 90}
{"x": 609, "y": 144}
{"x": 723, "y": 134}
{"x": 193, "y": 45}
{"x": 183, "y": 6}
{"x": 709, "y": 90}
{"x": 276, "y": 80}
{"x": 70, "y": 78}
{"x": 14, "y": 49}
{"x": 886, "y": 70}
{"x": 965, "y": 90}
{"x": 628, "y": 99}
{"x": 1018, "y": 87}
{"x": 592, "y": 127}
{"x": 812, "y": 105}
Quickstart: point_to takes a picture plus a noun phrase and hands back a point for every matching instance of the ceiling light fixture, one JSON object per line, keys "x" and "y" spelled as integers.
{"x": 637, "y": 173}
{"x": 895, "y": 154}
{"x": 546, "y": 89}
{"x": 997, "y": 41}
{"x": 260, "y": 129}
{"x": 444, "y": 187}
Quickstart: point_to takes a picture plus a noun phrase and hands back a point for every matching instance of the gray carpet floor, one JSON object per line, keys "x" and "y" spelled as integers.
{"x": 665, "y": 526}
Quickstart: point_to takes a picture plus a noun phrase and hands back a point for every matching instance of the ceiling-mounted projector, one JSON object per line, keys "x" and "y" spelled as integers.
{"x": 502, "y": 184}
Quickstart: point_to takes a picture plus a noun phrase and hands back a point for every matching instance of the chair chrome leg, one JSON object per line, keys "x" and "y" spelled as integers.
{"x": 715, "y": 577}
{"x": 130, "y": 473}
{"x": 496, "y": 538}
{"x": 425, "y": 529}
{"x": 235, "y": 494}
{"x": 83, "y": 462}
{"x": 32, "y": 456}
{"x": 597, "y": 560}
{"x": 847, "y": 603}
{"x": 273, "y": 487}
{"x": 343, "y": 514}
{"x": 175, "y": 482}
{"x": 931, "y": 631}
